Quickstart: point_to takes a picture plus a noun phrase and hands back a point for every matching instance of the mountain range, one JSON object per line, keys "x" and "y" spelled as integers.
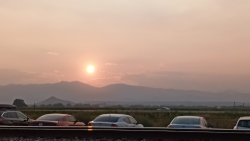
{"x": 80, "y": 92}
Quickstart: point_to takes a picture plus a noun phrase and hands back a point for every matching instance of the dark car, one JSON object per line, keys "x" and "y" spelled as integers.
{"x": 189, "y": 122}
{"x": 9, "y": 115}
{"x": 56, "y": 120}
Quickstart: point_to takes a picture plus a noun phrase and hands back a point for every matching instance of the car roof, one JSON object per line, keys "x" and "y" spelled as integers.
{"x": 246, "y": 117}
{"x": 116, "y": 115}
{"x": 56, "y": 114}
{"x": 188, "y": 117}
{"x": 5, "y": 107}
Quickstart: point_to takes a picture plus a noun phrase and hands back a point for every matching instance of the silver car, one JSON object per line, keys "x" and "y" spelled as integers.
{"x": 189, "y": 122}
{"x": 243, "y": 123}
{"x": 115, "y": 120}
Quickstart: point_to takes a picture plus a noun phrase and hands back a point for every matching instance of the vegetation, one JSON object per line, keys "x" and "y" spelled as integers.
{"x": 59, "y": 106}
{"x": 19, "y": 103}
{"x": 150, "y": 119}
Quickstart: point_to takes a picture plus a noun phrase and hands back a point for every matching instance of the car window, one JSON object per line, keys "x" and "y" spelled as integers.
{"x": 205, "y": 122}
{"x": 12, "y": 115}
{"x": 64, "y": 119}
{"x": 186, "y": 121}
{"x": 71, "y": 119}
{"x": 126, "y": 120}
{"x": 132, "y": 120}
{"x": 21, "y": 115}
{"x": 244, "y": 123}
{"x": 106, "y": 119}
{"x": 50, "y": 117}
{"x": 6, "y": 115}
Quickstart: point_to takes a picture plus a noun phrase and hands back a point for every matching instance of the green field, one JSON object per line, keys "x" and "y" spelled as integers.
{"x": 152, "y": 119}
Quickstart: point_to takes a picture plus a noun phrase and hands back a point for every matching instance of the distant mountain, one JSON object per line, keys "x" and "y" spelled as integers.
{"x": 80, "y": 92}
{"x": 54, "y": 100}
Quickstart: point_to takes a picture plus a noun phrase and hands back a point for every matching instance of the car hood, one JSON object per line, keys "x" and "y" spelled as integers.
{"x": 243, "y": 128}
{"x": 106, "y": 124}
{"x": 184, "y": 126}
{"x": 44, "y": 121}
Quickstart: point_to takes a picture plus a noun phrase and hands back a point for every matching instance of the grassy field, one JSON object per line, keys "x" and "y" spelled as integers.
{"x": 151, "y": 119}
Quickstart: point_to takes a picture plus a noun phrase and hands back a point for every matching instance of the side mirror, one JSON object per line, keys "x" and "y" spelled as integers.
{"x": 209, "y": 125}
{"x": 27, "y": 119}
{"x": 76, "y": 120}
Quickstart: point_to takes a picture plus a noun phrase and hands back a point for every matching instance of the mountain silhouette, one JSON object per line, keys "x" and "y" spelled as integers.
{"x": 81, "y": 92}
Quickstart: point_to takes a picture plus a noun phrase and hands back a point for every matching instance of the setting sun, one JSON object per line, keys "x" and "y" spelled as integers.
{"x": 90, "y": 69}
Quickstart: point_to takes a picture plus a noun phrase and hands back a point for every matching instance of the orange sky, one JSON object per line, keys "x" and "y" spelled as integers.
{"x": 191, "y": 44}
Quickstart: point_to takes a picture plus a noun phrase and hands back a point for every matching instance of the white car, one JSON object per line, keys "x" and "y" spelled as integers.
{"x": 115, "y": 120}
{"x": 243, "y": 123}
{"x": 164, "y": 109}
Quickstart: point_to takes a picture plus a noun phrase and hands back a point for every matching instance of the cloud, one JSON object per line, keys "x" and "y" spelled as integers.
{"x": 141, "y": 66}
{"x": 117, "y": 77}
{"x": 161, "y": 65}
{"x": 189, "y": 81}
{"x": 111, "y": 64}
{"x": 52, "y": 53}
{"x": 14, "y": 76}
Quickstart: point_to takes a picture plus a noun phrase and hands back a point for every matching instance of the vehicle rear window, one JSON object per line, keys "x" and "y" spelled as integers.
{"x": 186, "y": 121}
{"x": 133, "y": 121}
{"x": 50, "y": 117}
{"x": 71, "y": 119}
{"x": 10, "y": 115}
{"x": 244, "y": 123}
{"x": 107, "y": 119}
{"x": 21, "y": 115}
{"x": 126, "y": 120}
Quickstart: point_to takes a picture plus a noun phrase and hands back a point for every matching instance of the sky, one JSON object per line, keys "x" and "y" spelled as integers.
{"x": 191, "y": 45}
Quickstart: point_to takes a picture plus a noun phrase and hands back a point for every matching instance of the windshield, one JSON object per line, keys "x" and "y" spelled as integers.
{"x": 186, "y": 121}
{"x": 244, "y": 123}
{"x": 50, "y": 117}
{"x": 106, "y": 119}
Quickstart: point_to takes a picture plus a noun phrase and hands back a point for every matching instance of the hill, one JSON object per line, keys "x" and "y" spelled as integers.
{"x": 54, "y": 100}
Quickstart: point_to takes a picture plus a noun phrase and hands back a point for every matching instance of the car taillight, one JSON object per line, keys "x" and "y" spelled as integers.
{"x": 114, "y": 125}
{"x": 1, "y": 120}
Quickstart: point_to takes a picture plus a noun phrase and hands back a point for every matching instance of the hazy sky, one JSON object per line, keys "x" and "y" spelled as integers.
{"x": 191, "y": 44}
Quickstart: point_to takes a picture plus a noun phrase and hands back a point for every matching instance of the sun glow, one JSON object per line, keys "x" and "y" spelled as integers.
{"x": 90, "y": 69}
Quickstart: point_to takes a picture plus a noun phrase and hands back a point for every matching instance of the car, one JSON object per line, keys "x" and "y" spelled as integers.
{"x": 243, "y": 123}
{"x": 10, "y": 116}
{"x": 115, "y": 120}
{"x": 189, "y": 122}
{"x": 164, "y": 109}
{"x": 56, "y": 120}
